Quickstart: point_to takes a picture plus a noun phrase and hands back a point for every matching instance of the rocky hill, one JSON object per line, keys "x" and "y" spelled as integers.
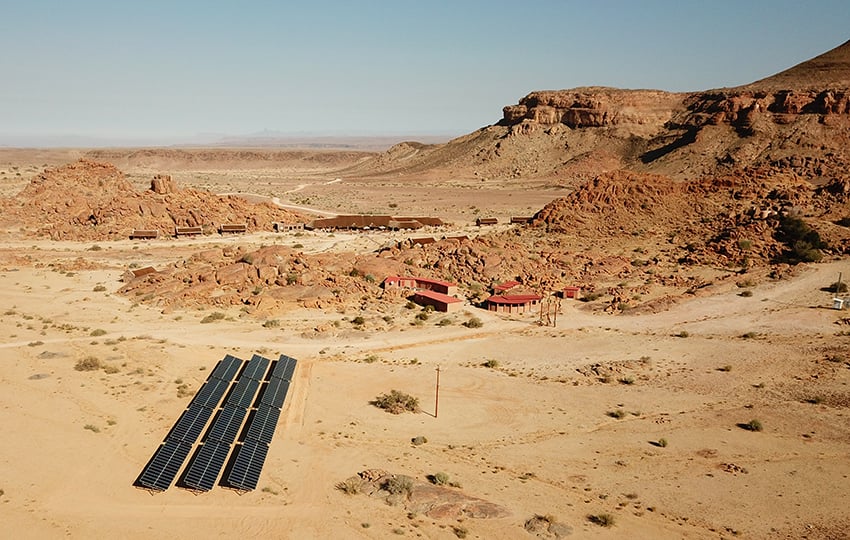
{"x": 90, "y": 200}
{"x": 796, "y": 121}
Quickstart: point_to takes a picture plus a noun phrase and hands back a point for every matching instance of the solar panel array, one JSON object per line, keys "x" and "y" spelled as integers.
{"x": 207, "y": 464}
{"x": 251, "y": 455}
{"x": 205, "y": 467}
{"x": 166, "y": 462}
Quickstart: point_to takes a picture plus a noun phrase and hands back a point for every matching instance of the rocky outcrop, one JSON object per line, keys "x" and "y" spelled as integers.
{"x": 89, "y": 200}
{"x": 594, "y": 107}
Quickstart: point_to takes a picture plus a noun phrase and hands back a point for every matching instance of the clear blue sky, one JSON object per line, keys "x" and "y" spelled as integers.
{"x": 165, "y": 70}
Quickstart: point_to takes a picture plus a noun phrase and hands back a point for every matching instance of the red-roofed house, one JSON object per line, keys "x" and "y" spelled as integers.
{"x": 513, "y": 303}
{"x": 435, "y": 285}
{"x": 440, "y": 302}
{"x": 502, "y": 288}
{"x": 571, "y": 291}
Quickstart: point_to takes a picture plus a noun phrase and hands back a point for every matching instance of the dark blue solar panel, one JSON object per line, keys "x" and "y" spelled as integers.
{"x": 210, "y": 393}
{"x": 207, "y": 464}
{"x": 256, "y": 368}
{"x": 275, "y": 392}
{"x": 248, "y": 465}
{"x": 243, "y": 394}
{"x": 164, "y": 465}
{"x": 226, "y": 425}
{"x": 227, "y": 368}
{"x": 190, "y": 425}
{"x": 285, "y": 368}
{"x": 264, "y": 423}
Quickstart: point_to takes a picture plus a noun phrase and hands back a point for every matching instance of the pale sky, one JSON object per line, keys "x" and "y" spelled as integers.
{"x": 170, "y": 70}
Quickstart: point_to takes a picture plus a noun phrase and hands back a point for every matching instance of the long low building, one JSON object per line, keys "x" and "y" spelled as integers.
{"x": 427, "y": 284}
{"x": 365, "y": 221}
{"x": 513, "y": 303}
{"x": 439, "y": 301}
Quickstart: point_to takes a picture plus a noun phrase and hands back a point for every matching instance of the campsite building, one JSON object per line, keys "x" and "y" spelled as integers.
{"x": 513, "y": 303}
{"x": 436, "y": 285}
{"x": 439, "y": 301}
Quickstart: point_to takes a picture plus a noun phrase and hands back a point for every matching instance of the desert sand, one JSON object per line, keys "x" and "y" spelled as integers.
{"x": 566, "y": 422}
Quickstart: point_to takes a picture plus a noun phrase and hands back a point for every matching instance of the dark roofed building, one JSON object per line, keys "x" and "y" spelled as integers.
{"x": 513, "y": 303}
{"x": 439, "y": 301}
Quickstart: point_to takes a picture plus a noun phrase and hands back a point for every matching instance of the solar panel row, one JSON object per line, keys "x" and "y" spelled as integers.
{"x": 227, "y": 368}
{"x": 226, "y": 425}
{"x": 243, "y": 393}
{"x": 163, "y": 467}
{"x": 275, "y": 393}
{"x": 206, "y": 465}
{"x": 264, "y": 423}
{"x": 250, "y": 458}
{"x": 285, "y": 368}
{"x": 169, "y": 457}
{"x": 256, "y": 368}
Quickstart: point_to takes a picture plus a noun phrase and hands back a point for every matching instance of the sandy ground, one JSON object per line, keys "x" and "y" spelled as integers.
{"x": 536, "y": 433}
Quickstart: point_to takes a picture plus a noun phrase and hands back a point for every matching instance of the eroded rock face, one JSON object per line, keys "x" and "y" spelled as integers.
{"x": 595, "y": 107}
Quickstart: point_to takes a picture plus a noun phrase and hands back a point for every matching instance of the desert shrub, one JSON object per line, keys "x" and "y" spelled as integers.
{"x": 753, "y": 425}
{"x": 745, "y": 294}
{"x": 91, "y": 427}
{"x": 212, "y": 317}
{"x": 271, "y": 323}
{"x": 493, "y": 364}
{"x": 35, "y": 343}
{"x": 683, "y": 334}
{"x": 618, "y": 414}
{"x": 460, "y": 531}
{"x": 95, "y": 247}
{"x": 744, "y": 244}
{"x": 99, "y": 288}
{"x": 838, "y": 287}
{"x": 89, "y": 363}
{"x": 369, "y": 278}
{"x": 248, "y": 258}
{"x": 354, "y": 272}
{"x": 422, "y": 316}
{"x": 397, "y": 402}
{"x": 419, "y": 440}
{"x": 603, "y": 520}
{"x": 803, "y": 244}
{"x": 98, "y": 332}
{"x": 358, "y": 321}
{"x": 750, "y": 335}
{"x": 727, "y": 367}
{"x": 815, "y": 400}
{"x": 371, "y": 359}
{"x": 291, "y": 278}
{"x": 662, "y": 443}
{"x": 297, "y": 246}
{"x": 351, "y": 486}
{"x": 445, "y": 322}
{"x": 628, "y": 379}
{"x": 473, "y": 322}
{"x": 398, "y": 484}
{"x": 410, "y": 305}
{"x": 591, "y": 296}
{"x": 439, "y": 479}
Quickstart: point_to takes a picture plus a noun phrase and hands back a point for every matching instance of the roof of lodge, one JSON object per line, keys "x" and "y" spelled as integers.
{"x": 513, "y": 298}
{"x": 417, "y": 279}
{"x": 440, "y": 297}
{"x": 506, "y": 285}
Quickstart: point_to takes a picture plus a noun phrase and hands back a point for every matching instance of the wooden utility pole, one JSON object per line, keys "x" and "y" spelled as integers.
{"x": 437, "y": 396}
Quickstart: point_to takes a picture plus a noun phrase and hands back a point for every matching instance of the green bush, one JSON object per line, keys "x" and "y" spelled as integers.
{"x": 212, "y": 317}
{"x": 397, "y": 402}
{"x": 493, "y": 364}
{"x": 439, "y": 479}
{"x": 98, "y": 332}
{"x": 89, "y": 363}
{"x": 473, "y": 322}
{"x": 802, "y": 243}
{"x": 603, "y": 520}
{"x": 398, "y": 484}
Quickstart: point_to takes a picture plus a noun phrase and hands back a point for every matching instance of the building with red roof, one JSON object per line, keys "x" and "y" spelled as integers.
{"x": 439, "y": 301}
{"x": 427, "y": 284}
{"x": 513, "y": 303}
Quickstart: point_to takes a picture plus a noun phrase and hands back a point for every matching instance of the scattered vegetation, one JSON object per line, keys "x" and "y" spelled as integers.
{"x": 99, "y": 288}
{"x": 662, "y": 442}
{"x": 750, "y": 335}
{"x": 803, "y": 244}
{"x": 460, "y": 531}
{"x": 752, "y": 425}
{"x": 493, "y": 364}
{"x": 271, "y": 323}
{"x": 745, "y": 294}
{"x": 91, "y": 427}
{"x": 351, "y": 486}
{"x": 397, "y": 402}
{"x": 372, "y": 358}
{"x": 618, "y": 414}
{"x": 473, "y": 322}
{"x": 837, "y": 287}
{"x": 212, "y": 317}
{"x": 628, "y": 379}
{"x": 98, "y": 332}
{"x": 590, "y": 296}
{"x": 398, "y": 485}
{"x": 419, "y": 440}
{"x": 683, "y": 334}
{"x": 603, "y": 520}
{"x": 439, "y": 479}
{"x": 727, "y": 368}
{"x": 89, "y": 363}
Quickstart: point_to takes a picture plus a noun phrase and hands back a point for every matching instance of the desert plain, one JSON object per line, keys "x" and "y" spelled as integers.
{"x": 633, "y": 416}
